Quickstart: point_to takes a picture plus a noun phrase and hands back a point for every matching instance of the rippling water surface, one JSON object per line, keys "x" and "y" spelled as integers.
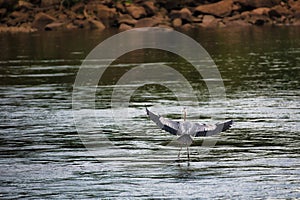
{"x": 42, "y": 155}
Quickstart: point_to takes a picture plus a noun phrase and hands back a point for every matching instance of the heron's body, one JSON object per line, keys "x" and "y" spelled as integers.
{"x": 186, "y": 130}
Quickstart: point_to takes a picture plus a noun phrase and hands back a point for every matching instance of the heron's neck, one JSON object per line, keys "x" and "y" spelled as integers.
{"x": 184, "y": 115}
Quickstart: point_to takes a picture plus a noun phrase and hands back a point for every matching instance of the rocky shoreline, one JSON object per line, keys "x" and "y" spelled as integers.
{"x": 47, "y": 15}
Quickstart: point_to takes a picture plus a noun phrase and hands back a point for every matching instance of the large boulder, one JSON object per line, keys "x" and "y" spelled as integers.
{"x": 251, "y": 4}
{"x": 219, "y": 9}
{"x": 41, "y": 20}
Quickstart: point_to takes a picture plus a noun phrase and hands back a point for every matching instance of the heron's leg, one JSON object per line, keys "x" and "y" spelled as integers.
{"x": 179, "y": 152}
{"x": 188, "y": 153}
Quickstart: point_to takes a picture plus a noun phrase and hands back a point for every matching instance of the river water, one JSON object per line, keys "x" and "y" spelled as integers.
{"x": 43, "y": 156}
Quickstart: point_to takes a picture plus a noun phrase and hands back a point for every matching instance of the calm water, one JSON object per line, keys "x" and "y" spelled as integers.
{"x": 42, "y": 156}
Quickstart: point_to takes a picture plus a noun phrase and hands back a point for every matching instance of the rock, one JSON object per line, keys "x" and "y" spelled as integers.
{"x": 146, "y": 22}
{"x": 221, "y": 24}
{"x": 209, "y": 21}
{"x": 175, "y": 14}
{"x": 3, "y": 12}
{"x": 232, "y": 18}
{"x": 48, "y": 3}
{"x": 281, "y": 20}
{"x": 297, "y": 15}
{"x": 186, "y": 27}
{"x": 81, "y": 24}
{"x": 260, "y": 11}
{"x": 41, "y": 20}
{"x": 95, "y": 24}
{"x": 251, "y": 4}
{"x": 70, "y": 14}
{"x": 295, "y": 7}
{"x": 107, "y": 15}
{"x": 17, "y": 14}
{"x": 105, "y": 12}
{"x": 197, "y": 19}
{"x": 53, "y": 12}
{"x": 162, "y": 12}
{"x": 186, "y": 14}
{"x": 136, "y": 12}
{"x": 150, "y": 8}
{"x": 124, "y": 27}
{"x": 25, "y": 5}
{"x": 16, "y": 18}
{"x": 162, "y": 20}
{"x": 278, "y": 11}
{"x": 177, "y": 22}
{"x": 79, "y": 16}
{"x": 296, "y": 22}
{"x": 71, "y": 26}
{"x": 245, "y": 15}
{"x": 78, "y": 8}
{"x": 54, "y": 26}
{"x": 236, "y": 7}
{"x": 165, "y": 27}
{"x": 219, "y": 9}
{"x": 126, "y": 19}
{"x": 259, "y": 20}
{"x": 120, "y": 7}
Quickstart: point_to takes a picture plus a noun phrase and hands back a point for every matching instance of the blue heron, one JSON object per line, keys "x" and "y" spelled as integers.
{"x": 186, "y": 130}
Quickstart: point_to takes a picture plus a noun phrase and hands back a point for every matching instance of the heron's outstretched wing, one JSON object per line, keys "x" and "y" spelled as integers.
{"x": 208, "y": 130}
{"x": 190, "y": 128}
{"x": 163, "y": 123}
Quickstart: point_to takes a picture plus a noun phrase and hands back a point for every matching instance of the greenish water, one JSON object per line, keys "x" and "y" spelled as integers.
{"x": 42, "y": 156}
